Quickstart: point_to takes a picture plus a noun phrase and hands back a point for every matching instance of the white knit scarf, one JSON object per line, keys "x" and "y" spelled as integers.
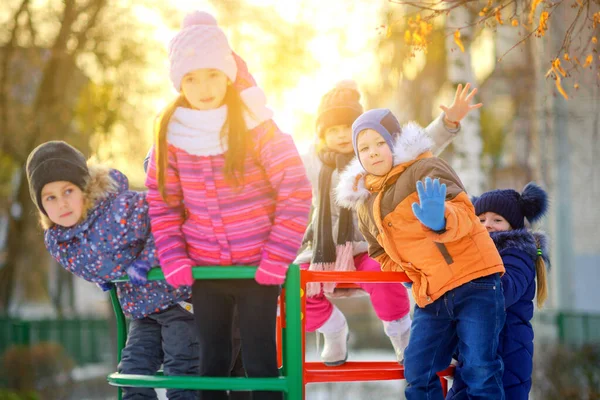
{"x": 198, "y": 132}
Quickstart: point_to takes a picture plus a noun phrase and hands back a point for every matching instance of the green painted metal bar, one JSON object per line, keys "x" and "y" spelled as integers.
{"x": 200, "y": 383}
{"x": 121, "y": 330}
{"x": 121, "y": 323}
{"x": 211, "y": 272}
{"x": 293, "y": 334}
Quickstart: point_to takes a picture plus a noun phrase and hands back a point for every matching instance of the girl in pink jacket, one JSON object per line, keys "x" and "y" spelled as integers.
{"x": 226, "y": 187}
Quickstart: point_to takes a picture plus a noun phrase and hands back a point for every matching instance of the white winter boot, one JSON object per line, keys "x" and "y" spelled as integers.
{"x": 399, "y": 333}
{"x": 335, "y": 332}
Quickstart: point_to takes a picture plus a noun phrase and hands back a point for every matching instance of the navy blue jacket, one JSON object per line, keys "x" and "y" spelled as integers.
{"x": 518, "y": 249}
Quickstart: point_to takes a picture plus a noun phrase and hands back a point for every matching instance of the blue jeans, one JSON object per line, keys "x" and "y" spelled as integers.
{"x": 169, "y": 338}
{"x": 469, "y": 318}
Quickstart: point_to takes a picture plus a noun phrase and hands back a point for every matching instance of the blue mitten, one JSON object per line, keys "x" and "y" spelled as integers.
{"x": 105, "y": 286}
{"x": 432, "y": 199}
{"x": 138, "y": 272}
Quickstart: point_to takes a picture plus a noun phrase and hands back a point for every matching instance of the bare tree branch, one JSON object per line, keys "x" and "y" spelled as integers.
{"x": 46, "y": 92}
{"x": 69, "y": 16}
{"x": 61, "y": 102}
{"x": 99, "y": 4}
{"x": 432, "y": 6}
{"x": 4, "y": 74}
{"x": 32, "y": 30}
{"x": 422, "y": 6}
{"x": 567, "y": 39}
{"x": 479, "y": 21}
{"x": 517, "y": 44}
{"x": 433, "y": 9}
{"x": 87, "y": 7}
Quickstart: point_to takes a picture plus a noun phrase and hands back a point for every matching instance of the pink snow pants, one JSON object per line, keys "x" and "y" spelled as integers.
{"x": 390, "y": 300}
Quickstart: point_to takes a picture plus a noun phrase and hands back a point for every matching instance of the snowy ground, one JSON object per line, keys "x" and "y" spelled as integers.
{"x": 357, "y": 390}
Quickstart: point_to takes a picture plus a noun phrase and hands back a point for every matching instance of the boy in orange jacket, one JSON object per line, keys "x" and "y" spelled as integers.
{"x": 434, "y": 236}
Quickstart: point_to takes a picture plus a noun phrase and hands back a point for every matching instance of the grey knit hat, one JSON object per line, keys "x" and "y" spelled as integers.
{"x": 51, "y": 162}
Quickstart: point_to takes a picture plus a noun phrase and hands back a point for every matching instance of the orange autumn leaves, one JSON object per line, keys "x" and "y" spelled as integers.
{"x": 534, "y": 5}
{"x": 418, "y": 32}
{"x": 533, "y": 19}
{"x": 558, "y": 71}
{"x": 459, "y": 42}
{"x": 556, "y": 68}
{"x": 543, "y": 25}
{"x": 496, "y": 12}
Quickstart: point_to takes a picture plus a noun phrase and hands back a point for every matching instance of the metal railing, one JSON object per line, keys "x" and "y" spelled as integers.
{"x": 295, "y": 371}
{"x": 85, "y": 340}
{"x": 290, "y": 381}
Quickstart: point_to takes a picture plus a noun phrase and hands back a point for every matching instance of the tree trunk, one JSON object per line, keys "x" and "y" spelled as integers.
{"x": 24, "y": 274}
{"x": 468, "y": 144}
{"x": 48, "y": 116}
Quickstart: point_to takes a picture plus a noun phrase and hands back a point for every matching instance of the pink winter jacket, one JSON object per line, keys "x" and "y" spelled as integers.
{"x": 209, "y": 222}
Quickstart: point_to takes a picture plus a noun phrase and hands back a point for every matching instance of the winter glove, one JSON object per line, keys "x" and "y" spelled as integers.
{"x": 179, "y": 274}
{"x": 271, "y": 272}
{"x": 106, "y": 286}
{"x": 138, "y": 272}
{"x": 432, "y": 199}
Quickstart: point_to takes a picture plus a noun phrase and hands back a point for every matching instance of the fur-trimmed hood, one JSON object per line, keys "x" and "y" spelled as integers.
{"x": 524, "y": 240}
{"x": 412, "y": 142}
{"x": 102, "y": 182}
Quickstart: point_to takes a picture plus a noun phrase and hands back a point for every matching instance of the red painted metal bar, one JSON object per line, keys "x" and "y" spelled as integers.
{"x": 279, "y": 338}
{"x": 353, "y": 277}
{"x": 303, "y": 282}
{"x": 347, "y": 286}
{"x": 316, "y": 372}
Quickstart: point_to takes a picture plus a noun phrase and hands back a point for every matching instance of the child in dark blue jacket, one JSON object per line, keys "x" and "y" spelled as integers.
{"x": 525, "y": 256}
{"x": 99, "y": 230}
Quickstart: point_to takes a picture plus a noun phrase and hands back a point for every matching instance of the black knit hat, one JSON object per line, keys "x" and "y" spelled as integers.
{"x": 51, "y": 162}
{"x": 340, "y": 106}
{"x": 513, "y": 206}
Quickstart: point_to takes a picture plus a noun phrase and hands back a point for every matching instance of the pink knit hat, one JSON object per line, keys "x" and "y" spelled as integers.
{"x": 200, "y": 44}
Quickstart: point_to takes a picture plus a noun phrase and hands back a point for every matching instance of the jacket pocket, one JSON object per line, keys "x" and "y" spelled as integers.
{"x": 489, "y": 282}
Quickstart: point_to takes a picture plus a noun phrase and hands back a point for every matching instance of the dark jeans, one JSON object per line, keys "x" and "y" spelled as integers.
{"x": 237, "y": 367}
{"x": 214, "y": 303}
{"x": 470, "y": 317}
{"x": 167, "y": 338}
